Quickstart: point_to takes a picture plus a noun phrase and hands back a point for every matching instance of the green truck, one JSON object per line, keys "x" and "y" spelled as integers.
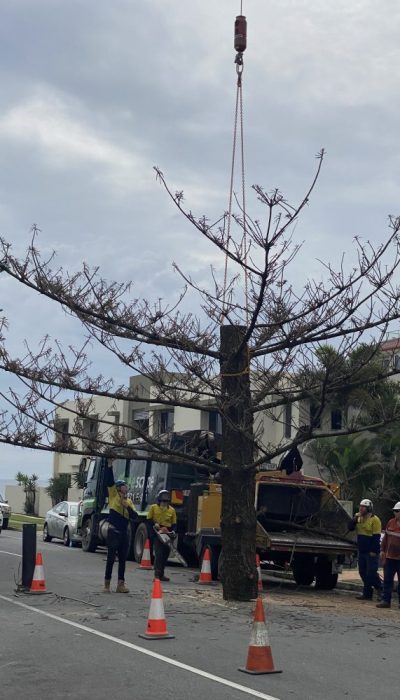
{"x": 145, "y": 477}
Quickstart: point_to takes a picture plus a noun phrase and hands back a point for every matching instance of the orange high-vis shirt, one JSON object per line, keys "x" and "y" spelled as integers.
{"x": 391, "y": 540}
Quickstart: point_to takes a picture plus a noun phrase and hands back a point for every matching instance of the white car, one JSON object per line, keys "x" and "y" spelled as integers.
{"x": 1, "y": 520}
{"x": 5, "y": 510}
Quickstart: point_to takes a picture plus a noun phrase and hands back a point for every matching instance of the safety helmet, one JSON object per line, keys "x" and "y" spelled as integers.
{"x": 120, "y": 482}
{"x": 396, "y": 506}
{"x": 367, "y": 503}
{"x": 163, "y": 495}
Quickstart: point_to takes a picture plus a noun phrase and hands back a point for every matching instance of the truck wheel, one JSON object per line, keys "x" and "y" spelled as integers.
{"x": 325, "y": 580}
{"x": 89, "y": 538}
{"x": 304, "y": 571}
{"x": 141, "y": 536}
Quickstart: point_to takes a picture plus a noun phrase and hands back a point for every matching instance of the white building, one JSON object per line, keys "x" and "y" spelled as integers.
{"x": 276, "y": 427}
{"x": 107, "y": 416}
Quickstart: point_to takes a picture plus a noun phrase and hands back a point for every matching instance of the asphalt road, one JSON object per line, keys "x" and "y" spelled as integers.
{"x": 76, "y": 642}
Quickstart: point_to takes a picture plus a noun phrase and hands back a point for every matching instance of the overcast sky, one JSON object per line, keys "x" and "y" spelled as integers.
{"x": 94, "y": 93}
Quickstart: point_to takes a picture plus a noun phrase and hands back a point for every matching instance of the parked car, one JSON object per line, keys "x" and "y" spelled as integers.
{"x": 61, "y": 522}
{"x": 1, "y": 521}
{"x": 6, "y": 511}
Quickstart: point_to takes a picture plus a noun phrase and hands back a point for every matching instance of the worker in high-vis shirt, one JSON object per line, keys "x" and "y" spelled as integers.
{"x": 161, "y": 518}
{"x": 368, "y": 528}
{"x": 121, "y": 510}
{"x": 390, "y": 557}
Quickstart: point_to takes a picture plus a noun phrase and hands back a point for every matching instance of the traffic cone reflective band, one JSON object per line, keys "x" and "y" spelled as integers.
{"x": 205, "y": 573}
{"x": 259, "y": 658}
{"x": 259, "y": 583}
{"x": 145, "y": 562}
{"x": 156, "y": 623}
{"x": 38, "y": 584}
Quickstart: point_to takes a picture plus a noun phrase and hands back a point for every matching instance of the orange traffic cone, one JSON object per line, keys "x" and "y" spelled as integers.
{"x": 259, "y": 583}
{"x": 145, "y": 562}
{"x": 205, "y": 574}
{"x": 156, "y": 623}
{"x": 38, "y": 584}
{"x": 259, "y": 659}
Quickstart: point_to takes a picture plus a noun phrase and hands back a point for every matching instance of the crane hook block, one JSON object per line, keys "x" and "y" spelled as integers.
{"x": 240, "y": 33}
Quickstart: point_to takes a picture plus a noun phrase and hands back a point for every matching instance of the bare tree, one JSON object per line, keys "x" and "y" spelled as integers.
{"x": 253, "y": 348}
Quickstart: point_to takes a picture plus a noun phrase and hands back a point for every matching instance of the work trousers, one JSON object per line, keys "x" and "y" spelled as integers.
{"x": 117, "y": 543}
{"x": 368, "y": 570}
{"x": 390, "y": 569}
{"x": 161, "y": 553}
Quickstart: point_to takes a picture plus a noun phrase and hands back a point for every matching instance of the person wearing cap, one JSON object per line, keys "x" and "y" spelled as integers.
{"x": 161, "y": 518}
{"x": 390, "y": 557}
{"x": 121, "y": 510}
{"x": 368, "y": 528}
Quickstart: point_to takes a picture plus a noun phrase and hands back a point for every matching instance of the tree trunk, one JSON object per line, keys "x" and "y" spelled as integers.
{"x": 238, "y": 517}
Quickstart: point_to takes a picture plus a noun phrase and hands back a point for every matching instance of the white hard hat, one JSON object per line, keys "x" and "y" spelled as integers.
{"x": 396, "y": 506}
{"x": 366, "y": 502}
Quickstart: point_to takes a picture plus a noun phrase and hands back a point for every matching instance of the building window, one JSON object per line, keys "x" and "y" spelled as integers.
{"x": 214, "y": 422}
{"x": 396, "y": 362}
{"x": 62, "y": 432}
{"x": 164, "y": 422}
{"x": 140, "y": 422}
{"x": 315, "y": 418}
{"x": 288, "y": 421}
{"x": 336, "y": 419}
{"x": 90, "y": 430}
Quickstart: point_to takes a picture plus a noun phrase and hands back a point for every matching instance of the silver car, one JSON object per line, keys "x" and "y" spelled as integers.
{"x": 61, "y": 522}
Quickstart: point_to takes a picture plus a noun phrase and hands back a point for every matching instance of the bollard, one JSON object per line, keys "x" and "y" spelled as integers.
{"x": 28, "y": 554}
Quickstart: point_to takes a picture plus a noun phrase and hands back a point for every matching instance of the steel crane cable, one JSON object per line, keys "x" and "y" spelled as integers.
{"x": 240, "y": 44}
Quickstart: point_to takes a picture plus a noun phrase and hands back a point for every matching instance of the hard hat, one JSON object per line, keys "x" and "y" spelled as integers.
{"x": 366, "y": 502}
{"x": 396, "y": 506}
{"x": 120, "y": 482}
{"x": 163, "y": 495}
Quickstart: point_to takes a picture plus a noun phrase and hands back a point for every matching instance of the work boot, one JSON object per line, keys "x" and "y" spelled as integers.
{"x": 106, "y": 588}
{"x": 121, "y": 588}
{"x": 362, "y": 597}
{"x": 164, "y": 578}
{"x": 383, "y": 604}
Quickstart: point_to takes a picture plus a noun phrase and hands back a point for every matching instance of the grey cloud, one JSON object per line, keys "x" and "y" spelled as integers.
{"x": 94, "y": 94}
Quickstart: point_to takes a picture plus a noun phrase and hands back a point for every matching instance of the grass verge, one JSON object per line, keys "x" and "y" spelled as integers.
{"x": 17, "y": 521}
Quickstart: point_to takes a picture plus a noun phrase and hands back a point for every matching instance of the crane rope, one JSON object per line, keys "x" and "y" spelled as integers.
{"x": 240, "y": 46}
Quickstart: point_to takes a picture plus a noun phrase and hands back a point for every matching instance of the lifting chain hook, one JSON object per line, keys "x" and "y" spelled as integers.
{"x": 239, "y": 68}
{"x": 239, "y": 59}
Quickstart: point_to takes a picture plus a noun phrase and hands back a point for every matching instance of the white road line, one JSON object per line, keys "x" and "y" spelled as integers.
{"x": 12, "y": 554}
{"x": 142, "y": 650}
